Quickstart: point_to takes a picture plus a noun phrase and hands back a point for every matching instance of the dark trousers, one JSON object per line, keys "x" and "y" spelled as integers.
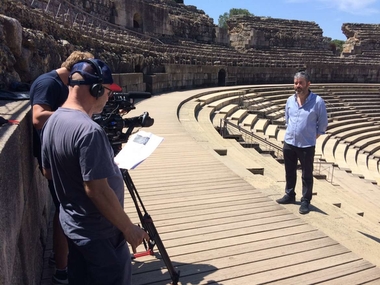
{"x": 306, "y": 157}
{"x": 99, "y": 262}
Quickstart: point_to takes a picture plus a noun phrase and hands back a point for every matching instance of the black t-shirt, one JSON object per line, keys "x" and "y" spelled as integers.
{"x": 47, "y": 89}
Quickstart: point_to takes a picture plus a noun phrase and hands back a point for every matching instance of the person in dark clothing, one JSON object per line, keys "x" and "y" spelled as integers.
{"x": 78, "y": 157}
{"x": 48, "y": 92}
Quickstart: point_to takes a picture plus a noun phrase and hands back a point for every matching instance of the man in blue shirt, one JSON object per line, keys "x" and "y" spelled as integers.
{"x": 306, "y": 120}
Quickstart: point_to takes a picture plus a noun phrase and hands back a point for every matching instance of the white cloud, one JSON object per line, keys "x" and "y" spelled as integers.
{"x": 357, "y": 7}
{"x": 364, "y": 7}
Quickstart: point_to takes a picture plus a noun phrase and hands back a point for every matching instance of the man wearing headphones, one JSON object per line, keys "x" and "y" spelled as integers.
{"x": 48, "y": 92}
{"x": 78, "y": 157}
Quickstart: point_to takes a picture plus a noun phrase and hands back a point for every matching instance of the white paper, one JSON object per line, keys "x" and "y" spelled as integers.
{"x": 139, "y": 147}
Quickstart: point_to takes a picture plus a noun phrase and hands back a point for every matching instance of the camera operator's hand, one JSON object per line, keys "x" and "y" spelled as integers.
{"x": 108, "y": 204}
{"x": 135, "y": 235}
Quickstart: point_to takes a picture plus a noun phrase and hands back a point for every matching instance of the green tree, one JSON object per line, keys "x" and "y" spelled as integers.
{"x": 338, "y": 43}
{"x": 336, "y": 46}
{"x": 233, "y": 12}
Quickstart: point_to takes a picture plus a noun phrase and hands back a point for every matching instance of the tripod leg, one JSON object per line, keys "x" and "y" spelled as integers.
{"x": 153, "y": 234}
{"x": 148, "y": 225}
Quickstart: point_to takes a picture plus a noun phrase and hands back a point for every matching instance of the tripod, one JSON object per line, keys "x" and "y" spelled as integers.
{"x": 113, "y": 124}
{"x": 149, "y": 227}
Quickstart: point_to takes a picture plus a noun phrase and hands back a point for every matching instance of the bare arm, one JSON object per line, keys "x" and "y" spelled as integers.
{"x": 107, "y": 203}
{"x": 40, "y": 115}
{"x": 47, "y": 173}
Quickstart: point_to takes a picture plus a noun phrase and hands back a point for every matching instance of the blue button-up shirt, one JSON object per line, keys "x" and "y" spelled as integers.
{"x": 304, "y": 123}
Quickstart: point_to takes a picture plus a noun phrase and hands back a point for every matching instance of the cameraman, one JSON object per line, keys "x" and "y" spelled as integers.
{"x": 47, "y": 93}
{"x": 78, "y": 157}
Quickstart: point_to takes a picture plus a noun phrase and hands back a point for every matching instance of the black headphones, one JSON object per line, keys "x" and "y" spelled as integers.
{"x": 96, "y": 89}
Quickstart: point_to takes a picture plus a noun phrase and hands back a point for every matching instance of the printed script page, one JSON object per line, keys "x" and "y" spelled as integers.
{"x": 139, "y": 147}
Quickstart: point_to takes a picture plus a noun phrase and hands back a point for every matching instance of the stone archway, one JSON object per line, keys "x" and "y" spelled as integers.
{"x": 222, "y": 77}
{"x": 137, "y": 21}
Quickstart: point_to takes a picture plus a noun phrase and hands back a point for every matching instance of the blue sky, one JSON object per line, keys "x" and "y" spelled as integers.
{"x": 328, "y": 14}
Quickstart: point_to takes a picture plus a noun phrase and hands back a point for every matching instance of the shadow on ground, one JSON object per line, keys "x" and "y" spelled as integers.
{"x": 153, "y": 272}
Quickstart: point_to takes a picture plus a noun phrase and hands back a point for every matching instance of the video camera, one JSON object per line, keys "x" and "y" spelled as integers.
{"x": 111, "y": 120}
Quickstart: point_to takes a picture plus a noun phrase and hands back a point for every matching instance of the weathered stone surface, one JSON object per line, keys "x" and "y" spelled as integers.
{"x": 50, "y": 34}
{"x": 361, "y": 39}
{"x": 12, "y": 32}
{"x": 268, "y": 33}
{"x": 25, "y": 201}
{"x": 167, "y": 46}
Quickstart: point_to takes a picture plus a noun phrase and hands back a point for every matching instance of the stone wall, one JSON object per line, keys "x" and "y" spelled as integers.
{"x": 361, "y": 39}
{"x": 25, "y": 204}
{"x": 130, "y": 81}
{"x": 177, "y": 77}
{"x": 269, "y": 33}
{"x": 276, "y": 44}
{"x": 160, "y": 18}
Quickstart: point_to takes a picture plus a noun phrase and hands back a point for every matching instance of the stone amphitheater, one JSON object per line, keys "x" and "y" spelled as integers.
{"x": 221, "y": 157}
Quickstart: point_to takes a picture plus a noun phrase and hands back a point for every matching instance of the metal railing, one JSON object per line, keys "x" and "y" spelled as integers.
{"x": 227, "y": 128}
{"x": 321, "y": 168}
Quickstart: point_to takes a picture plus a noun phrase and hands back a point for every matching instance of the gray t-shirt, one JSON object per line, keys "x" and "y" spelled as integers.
{"x": 76, "y": 149}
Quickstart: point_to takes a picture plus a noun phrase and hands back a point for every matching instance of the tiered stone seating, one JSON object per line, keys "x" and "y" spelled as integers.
{"x": 271, "y": 131}
{"x": 191, "y": 52}
{"x": 376, "y": 154}
{"x": 344, "y": 130}
{"x": 338, "y": 123}
{"x": 339, "y": 152}
{"x": 355, "y": 139}
{"x": 328, "y": 147}
{"x": 354, "y": 135}
{"x": 238, "y": 116}
{"x": 224, "y": 146}
{"x": 326, "y": 191}
{"x": 249, "y": 121}
{"x": 373, "y": 166}
{"x": 260, "y": 125}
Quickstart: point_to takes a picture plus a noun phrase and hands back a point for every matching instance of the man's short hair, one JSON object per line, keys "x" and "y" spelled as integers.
{"x": 74, "y": 57}
{"x": 304, "y": 74}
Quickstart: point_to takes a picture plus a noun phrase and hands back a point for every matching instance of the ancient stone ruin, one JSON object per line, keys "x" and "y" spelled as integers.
{"x": 362, "y": 39}
{"x": 266, "y": 33}
{"x": 168, "y": 45}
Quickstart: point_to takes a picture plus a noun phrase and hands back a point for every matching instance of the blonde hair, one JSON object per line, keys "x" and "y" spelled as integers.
{"x": 74, "y": 57}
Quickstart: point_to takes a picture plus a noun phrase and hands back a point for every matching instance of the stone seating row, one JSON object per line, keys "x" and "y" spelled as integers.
{"x": 253, "y": 123}
{"x": 351, "y": 205}
{"x": 230, "y": 55}
{"x": 224, "y": 53}
{"x": 338, "y": 131}
{"x": 202, "y": 119}
{"x": 344, "y": 148}
{"x": 199, "y": 53}
{"x": 342, "y": 134}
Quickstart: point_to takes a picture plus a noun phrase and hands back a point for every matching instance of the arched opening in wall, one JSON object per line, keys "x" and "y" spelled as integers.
{"x": 113, "y": 13}
{"x": 137, "y": 21}
{"x": 222, "y": 77}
